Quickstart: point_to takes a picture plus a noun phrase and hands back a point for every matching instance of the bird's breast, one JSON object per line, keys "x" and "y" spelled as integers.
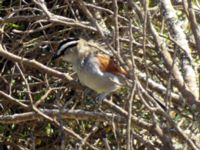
{"x": 91, "y": 76}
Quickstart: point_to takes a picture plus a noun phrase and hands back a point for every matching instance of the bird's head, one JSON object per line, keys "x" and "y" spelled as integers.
{"x": 67, "y": 50}
{"x": 73, "y": 49}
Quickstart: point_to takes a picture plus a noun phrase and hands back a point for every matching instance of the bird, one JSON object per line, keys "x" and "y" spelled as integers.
{"x": 95, "y": 70}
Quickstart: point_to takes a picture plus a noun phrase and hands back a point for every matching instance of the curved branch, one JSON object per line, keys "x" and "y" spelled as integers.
{"x": 33, "y": 64}
{"x": 13, "y": 100}
{"x": 66, "y": 113}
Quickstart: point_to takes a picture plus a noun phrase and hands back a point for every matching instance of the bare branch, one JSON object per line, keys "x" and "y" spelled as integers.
{"x": 33, "y": 64}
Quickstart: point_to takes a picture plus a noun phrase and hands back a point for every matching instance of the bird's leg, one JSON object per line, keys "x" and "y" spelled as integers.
{"x": 88, "y": 91}
{"x": 101, "y": 97}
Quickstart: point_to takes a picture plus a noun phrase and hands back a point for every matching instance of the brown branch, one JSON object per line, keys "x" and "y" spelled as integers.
{"x": 139, "y": 122}
{"x": 42, "y": 99}
{"x": 154, "y": 86}
{"x": 12, "y": 100}
{"x": 178, "y": 34}
{"x": 60, "y": 19}
{"x": 31, "y": 18}
{"x": 42, "y": 5}
{"x": 90, "y": 17}
{"x": 129, "y": 123}
{"x": 33, "y": 64}
{"x": 40, "y": 113}
{"x": 193, "y": 23}
{"x": 136, "y": 122}
{"x": 130, "y": 102}
{"x": 179, "y": 82}
{"x": 66, "y": 114}
{"x": 105, "y": 10}
{"x": 180, "y": 132}
{"x": 116, "y": 36}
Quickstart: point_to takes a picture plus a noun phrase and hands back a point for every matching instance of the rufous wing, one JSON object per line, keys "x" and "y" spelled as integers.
{"x": 107, "y": 64}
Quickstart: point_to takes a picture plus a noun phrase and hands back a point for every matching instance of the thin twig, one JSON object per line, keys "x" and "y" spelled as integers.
{"x": 33, "y": 64}
{"x": 116, "y": 36}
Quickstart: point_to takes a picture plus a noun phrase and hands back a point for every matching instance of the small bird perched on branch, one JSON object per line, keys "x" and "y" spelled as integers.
{"x": 97, "y": 71}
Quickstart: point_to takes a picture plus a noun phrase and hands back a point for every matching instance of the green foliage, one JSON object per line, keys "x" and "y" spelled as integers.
{"x": 49, "y": 130}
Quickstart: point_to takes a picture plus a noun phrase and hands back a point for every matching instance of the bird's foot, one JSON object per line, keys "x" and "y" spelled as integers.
{"x": 99, "y": 99}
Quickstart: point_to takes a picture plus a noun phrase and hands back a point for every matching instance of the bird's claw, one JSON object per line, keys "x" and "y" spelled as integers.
{"x": 99, "y": 99}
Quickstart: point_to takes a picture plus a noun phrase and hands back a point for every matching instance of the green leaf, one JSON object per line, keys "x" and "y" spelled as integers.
{"x": 49, "y": 130}
{"x": 13, "y": 25}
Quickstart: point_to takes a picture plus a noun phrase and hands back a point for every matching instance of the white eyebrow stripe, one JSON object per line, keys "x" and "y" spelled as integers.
{"x": 64, "y": 46}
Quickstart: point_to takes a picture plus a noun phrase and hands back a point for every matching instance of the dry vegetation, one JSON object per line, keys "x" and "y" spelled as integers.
{"x": 42, "y": 103}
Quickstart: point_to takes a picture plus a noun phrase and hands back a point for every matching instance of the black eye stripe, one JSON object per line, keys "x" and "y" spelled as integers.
{"x": 70, "y": 46}
{"x": 64, "y": 46}
{"x": 67, "y": 41}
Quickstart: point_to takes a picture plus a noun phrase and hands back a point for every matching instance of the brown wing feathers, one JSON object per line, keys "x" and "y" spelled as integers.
{"x": 108, "y": 65}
